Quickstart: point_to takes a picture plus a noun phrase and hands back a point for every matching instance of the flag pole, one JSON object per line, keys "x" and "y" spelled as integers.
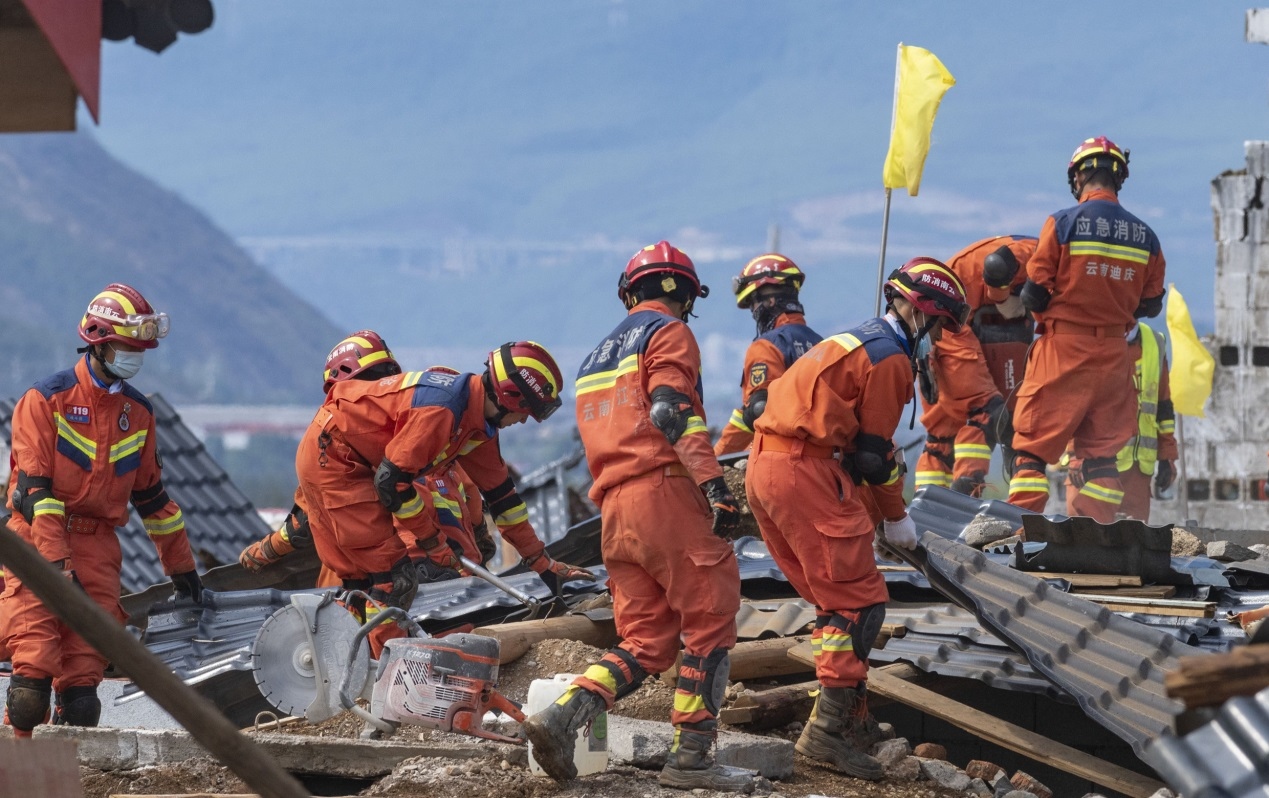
{"x": 885, "y": 216}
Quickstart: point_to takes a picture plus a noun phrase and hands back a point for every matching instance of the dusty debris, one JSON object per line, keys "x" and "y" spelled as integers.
{"x": 890, "y": 752}
{"x": 1226, "y": 551}
{"x": 944, "y": 774}
{"x": 735, "y": 479}
{"x": 1184, "y": 544}
{"x": 985, "y": 530}
{"x": 195, "y": 775}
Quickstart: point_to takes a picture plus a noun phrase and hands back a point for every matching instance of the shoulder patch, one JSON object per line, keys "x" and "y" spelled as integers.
{"x": 443, "y": 390}
{"x": 757, "y": 374}
{"x": 134, "y": 394}
{"x": 57, "y": 383}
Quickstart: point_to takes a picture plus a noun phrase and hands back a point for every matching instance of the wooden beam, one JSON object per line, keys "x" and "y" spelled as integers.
{"x": 1211, "y": 679}
{"x": 516, "y": 638}
{"x": 1092, "y": 580}
{"x": 1145, "y": 591}
{"x": 1013, "y": 737}
{"x": 1189, "y": 609}
{"x": 756, "y": 659}
{"x": 44, "y": 768}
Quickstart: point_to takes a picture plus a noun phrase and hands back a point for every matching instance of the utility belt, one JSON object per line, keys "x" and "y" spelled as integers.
{"x": 86, "y": 524}
{"x": 794, "y": 446}
{"x": 1058, "y": 327}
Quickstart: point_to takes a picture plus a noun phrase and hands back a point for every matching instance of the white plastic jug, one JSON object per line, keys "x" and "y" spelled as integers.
{"x": 591, "y": 752}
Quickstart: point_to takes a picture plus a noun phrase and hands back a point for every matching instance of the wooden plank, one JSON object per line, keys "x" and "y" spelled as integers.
{"x": 1211, "y": 679}
{"x": 44, "y": 768}
{"x": 514, "y": 639}
{"x": 1189, "y": 609}
{"x": 1013, "y": 737}
{"x": 1092, "y": 580}
{"x": 1147, "y": 591}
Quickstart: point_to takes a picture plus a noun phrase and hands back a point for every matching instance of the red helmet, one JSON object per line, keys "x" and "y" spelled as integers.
{"x": 356, "y": 353}
{"x": 769, "y": 269}
{"x": 525, "y": 378}
{"x": 932, "y": 288}
{"x": 1098, "y": 153}
{"x": 443, "y": 370}
{"x": 660, "y": 258}
{"x": 120, "y": 313}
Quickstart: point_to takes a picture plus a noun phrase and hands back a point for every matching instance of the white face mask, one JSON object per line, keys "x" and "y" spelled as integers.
{"x": 125, "y": 365}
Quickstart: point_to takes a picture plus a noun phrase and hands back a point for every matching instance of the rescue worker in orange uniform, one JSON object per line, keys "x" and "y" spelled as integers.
{"x": 364, "y": 355}
{"x": 1096, "y": 270}
{"x": 963, "y": 389}
{"x": 768, "y": 286}
{"x": 1152, "y": 451}
{"x": 666, "y": 512}
{"x": 827, "y": 432}
{"x": 84, "y": 447}
{"x": 358, "y": 461}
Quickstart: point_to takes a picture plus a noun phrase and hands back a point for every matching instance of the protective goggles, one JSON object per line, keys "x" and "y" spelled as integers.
{"x": 145, "y": 327}
{"x": 540, "y": 409}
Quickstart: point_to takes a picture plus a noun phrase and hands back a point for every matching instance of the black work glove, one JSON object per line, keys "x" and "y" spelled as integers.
{"x": 724, "y": 505}
{"x": 485, "y": 543}
{"x": 405, "y": 583}
{"x": 1164, "y": 475}
{"x": 429, "y": 571}
{"x": 187, "y": 585}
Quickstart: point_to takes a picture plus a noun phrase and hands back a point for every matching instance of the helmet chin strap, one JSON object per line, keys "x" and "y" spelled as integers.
{"x": 767, "y": 311}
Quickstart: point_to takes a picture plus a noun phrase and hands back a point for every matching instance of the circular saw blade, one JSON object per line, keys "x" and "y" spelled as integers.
{"x": 283, "y": 662}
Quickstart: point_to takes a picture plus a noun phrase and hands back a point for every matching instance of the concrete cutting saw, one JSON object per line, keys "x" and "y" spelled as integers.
{"x": 311, "y": 659}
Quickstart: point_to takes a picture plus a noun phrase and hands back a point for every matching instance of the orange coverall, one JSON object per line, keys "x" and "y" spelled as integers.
{"x": 956, "y": 444}
{"x": 100, "y": 450}
{"x": 1099, "y": 262}
{"x": 452, "y": 503}
{"x": 810, "y": 511}
{"x": 670, "y": 577}
{"x": 422, "y": 421}
{"x": 769, "y": 356}
{"x": 1136, "y": 483}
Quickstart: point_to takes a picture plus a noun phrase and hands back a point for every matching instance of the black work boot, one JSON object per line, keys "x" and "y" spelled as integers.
{"x": 690, "y": 766}
{"x": 553, "y": 731}
{"x": 836, "y": 735}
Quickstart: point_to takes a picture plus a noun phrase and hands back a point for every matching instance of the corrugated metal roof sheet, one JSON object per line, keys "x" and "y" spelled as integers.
{"x": 220, "y": 520}
{"x": 1227, "y": 758}
{"x": 1112, "y": 666}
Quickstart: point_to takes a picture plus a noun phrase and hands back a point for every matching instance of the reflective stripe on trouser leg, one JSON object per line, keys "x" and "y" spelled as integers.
{"x": 1029, "y": 487}
{"x": 617, "y": 674}
{"x": 934, "y": 466}
{"x": 699, "y": 694}
{"x": 1102, "y": 492}
{"x": 848, "y": 637}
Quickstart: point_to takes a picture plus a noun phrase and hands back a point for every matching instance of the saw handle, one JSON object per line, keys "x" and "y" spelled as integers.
{"x": 385, "y": 614}
{"x": 519, "y": 595}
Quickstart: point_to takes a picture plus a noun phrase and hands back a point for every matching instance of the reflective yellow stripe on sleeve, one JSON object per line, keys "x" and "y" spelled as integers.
{"x": 738, "y": 421}
{"x": 161, "y": 527}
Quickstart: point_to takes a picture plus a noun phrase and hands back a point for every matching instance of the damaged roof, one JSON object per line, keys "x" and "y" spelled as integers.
{"x": 220, "y": 520}
{"x": 1226, "y": 758}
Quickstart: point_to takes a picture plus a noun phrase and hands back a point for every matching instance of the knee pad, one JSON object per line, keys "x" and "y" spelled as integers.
{"x": 27, "y": 704}
{"x": 707, "y": 677}
{"x": 627, "y": 674}
{"x": 1027, "y": 461}
{"x": 1100, "y": 468}
{"x": 77, "y": 706}
{"x": 863, "y": 629}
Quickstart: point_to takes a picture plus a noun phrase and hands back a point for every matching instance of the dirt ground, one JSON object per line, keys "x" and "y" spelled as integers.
{"x": 501, "y": 775}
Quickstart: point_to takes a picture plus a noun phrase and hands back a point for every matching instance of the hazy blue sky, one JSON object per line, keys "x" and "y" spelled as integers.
{"x": 623, "y": 122}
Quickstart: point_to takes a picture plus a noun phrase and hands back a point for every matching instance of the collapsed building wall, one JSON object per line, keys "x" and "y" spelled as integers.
{"x": 1225, "y": 453}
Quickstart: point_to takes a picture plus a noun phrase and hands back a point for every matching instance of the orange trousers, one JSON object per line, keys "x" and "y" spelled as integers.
{"x": 42, "y": 646}
{"x": 1136, "y": 486}
{"x": 821, "y": 536}
{"x": 671, "y": 578}
{"x": 352, "y": 531}
{"x": 953, "y": 447}
{"x": 1077, "y": 389}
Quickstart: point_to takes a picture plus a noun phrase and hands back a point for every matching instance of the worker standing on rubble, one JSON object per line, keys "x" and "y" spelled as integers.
{"x": 1151, "y": 452}
{"x": 969, "y": 379}
{"x": 84, "y": 447}
{"x": 666, "y": 512}
{"x": 768, "y": 286}
{"x": 1096, "y": 270}
{"x": 844, "y": 400}
{"x": 358, "y": 461}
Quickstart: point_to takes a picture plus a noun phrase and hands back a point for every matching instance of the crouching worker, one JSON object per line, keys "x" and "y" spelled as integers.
{"x": 826, "y": 432}
{"x": 666, "y": 513}
{"x": 84, "y": 446}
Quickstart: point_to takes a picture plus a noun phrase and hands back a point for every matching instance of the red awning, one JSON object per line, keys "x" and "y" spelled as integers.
{"x": 73, "y": 28}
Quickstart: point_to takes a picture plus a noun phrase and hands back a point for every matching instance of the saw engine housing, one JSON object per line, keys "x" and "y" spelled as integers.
{"x": 441, "y": 683}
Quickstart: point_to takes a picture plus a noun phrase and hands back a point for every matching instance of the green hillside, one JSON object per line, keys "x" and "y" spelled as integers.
{"x": 73, "y": 219}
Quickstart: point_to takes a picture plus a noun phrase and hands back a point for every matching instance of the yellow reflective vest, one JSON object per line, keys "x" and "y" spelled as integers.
{"x": 1143, "y": 448}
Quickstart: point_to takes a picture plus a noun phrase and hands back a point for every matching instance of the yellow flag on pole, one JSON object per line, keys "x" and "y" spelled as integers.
{"x": 1192, "y": 365}
{"x": 919, "y": 84}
